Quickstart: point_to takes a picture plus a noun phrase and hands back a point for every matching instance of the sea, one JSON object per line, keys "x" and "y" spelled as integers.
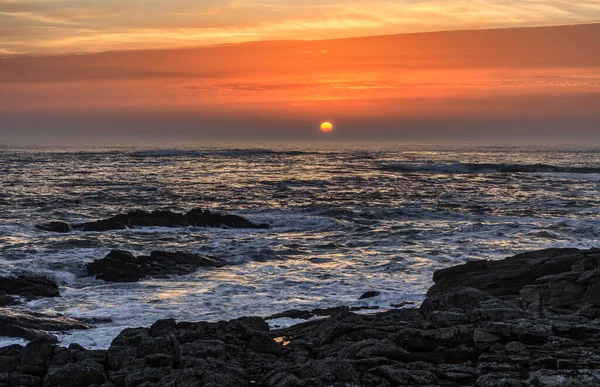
{"x": 345, "y": 219}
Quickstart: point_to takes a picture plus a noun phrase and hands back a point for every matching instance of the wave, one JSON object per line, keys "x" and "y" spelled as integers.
{"x": 166, "y": 153}
{"x": 216, "y": 152}
{"x": 457, "y": 168}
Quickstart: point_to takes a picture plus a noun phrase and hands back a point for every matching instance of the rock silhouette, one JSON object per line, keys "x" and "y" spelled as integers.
{"x": 123, "y": 266}
{"x": 140, "y": 218}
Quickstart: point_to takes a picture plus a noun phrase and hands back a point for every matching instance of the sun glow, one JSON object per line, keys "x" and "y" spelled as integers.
{"x": 326, "y": 127}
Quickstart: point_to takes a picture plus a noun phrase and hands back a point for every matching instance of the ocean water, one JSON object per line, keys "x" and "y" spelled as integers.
{"x": 345, "y": 219}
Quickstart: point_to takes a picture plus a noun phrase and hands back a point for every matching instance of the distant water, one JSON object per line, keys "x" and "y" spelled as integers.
{"x": 345, "y": 220}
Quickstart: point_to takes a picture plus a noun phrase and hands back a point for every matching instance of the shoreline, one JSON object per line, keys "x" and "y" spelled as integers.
{"x": 528, "y": 320}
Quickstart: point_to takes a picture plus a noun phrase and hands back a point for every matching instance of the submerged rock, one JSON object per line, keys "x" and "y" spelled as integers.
{"x": 370, "y": 294}
{"x": 54, "y": 227}
{"x": 27, "y": 287}
{"x": 484, "y": 335}
{"x": 123, "y": 266}
{"x": 139, "y": 218}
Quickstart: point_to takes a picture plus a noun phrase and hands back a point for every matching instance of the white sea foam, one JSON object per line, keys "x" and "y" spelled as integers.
{"x": 5, "y": 341}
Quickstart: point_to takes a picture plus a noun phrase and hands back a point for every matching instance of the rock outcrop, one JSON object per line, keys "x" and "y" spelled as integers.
{"x": 28, "y": 287}
{"x": 139, "y": 218}
{"x": 546, "y": 281}
{"x": 123, "y": 266}
{"x": 486, "y": 333}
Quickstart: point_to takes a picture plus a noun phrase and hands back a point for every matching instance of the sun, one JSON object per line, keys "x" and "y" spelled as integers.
{"x": 326, "y": 127}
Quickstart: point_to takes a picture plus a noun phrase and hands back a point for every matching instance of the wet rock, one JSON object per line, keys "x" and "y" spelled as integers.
{"x": 308, "y": 314}
{"x": 469, "y": 336}
{"x": 369, "y": 294}
{"x": 27, "y": 287}
{"x": 139, "y": 218}
{"x": 32, "y": 326}
{"x": 54, "y": 227}
{"x": 508, "y": 276}
{"x": 123, "y": 266}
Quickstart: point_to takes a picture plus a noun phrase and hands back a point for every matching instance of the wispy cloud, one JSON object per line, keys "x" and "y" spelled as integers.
{"x": 110, "y": 24}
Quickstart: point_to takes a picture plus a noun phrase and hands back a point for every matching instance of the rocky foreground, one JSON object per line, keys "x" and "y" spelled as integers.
{"x": 140, "y": 218}
{"x": 529, "y": 320}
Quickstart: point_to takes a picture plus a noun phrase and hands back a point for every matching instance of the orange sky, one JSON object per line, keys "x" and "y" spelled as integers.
{"x": 536, "y": 79}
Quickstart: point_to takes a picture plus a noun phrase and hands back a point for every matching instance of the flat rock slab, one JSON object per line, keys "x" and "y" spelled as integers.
{"x": 123, "y": 266}
{"x": 139, "y": 218}
{"x": 32, "y": 326}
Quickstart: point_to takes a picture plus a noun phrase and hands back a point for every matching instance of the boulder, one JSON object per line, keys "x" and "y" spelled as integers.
{"x": 54, "y": 227}
{"x": 123, "y": 266}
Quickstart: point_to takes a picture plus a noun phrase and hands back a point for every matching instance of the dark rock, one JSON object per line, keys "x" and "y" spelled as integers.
{"x": 330, "y": 371}
{"x": 369, "y": 294}
{"x": 460, "y": 336}
{"x": 8, "y": 300}
{"x": 307, "y": 314}
{"x": 84, "y": 373}
{"x": 359, "y": 308}
{"x": 28, "y": 287}
{"x": 263, "y": 343}
{"x": 54, "y": 227}
{"x": 32, "y": 326}
{"x": 18, "y": 379}
{"x": 508, "y": 276}
{"x": 123, "y": 266}
{"x": 139, "y": 218}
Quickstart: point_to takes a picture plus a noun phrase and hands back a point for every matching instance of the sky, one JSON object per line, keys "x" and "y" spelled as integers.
{"x": 58, "y": 26}
{"x": 130, "y": 71}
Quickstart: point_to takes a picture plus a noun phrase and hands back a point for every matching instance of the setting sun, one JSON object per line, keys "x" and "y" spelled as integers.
{"x": 326, "y": 127}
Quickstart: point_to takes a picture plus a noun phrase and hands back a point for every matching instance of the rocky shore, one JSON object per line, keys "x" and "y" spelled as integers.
{"x": 528, "y": 320}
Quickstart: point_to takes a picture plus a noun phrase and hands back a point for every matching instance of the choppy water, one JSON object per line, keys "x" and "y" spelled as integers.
{"x": 345, "y": 219}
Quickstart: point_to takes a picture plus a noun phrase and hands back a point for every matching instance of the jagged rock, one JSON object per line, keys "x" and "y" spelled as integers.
{"x": 29, "y": 287}
{"x": 139, "y": 218}
{"x": 508, "y": 276}
{"x": 474, "y": 336}
{"x": 123, "y": 266}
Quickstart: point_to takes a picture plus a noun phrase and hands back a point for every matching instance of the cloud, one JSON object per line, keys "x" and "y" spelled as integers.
{"x": 108, "y": 24}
